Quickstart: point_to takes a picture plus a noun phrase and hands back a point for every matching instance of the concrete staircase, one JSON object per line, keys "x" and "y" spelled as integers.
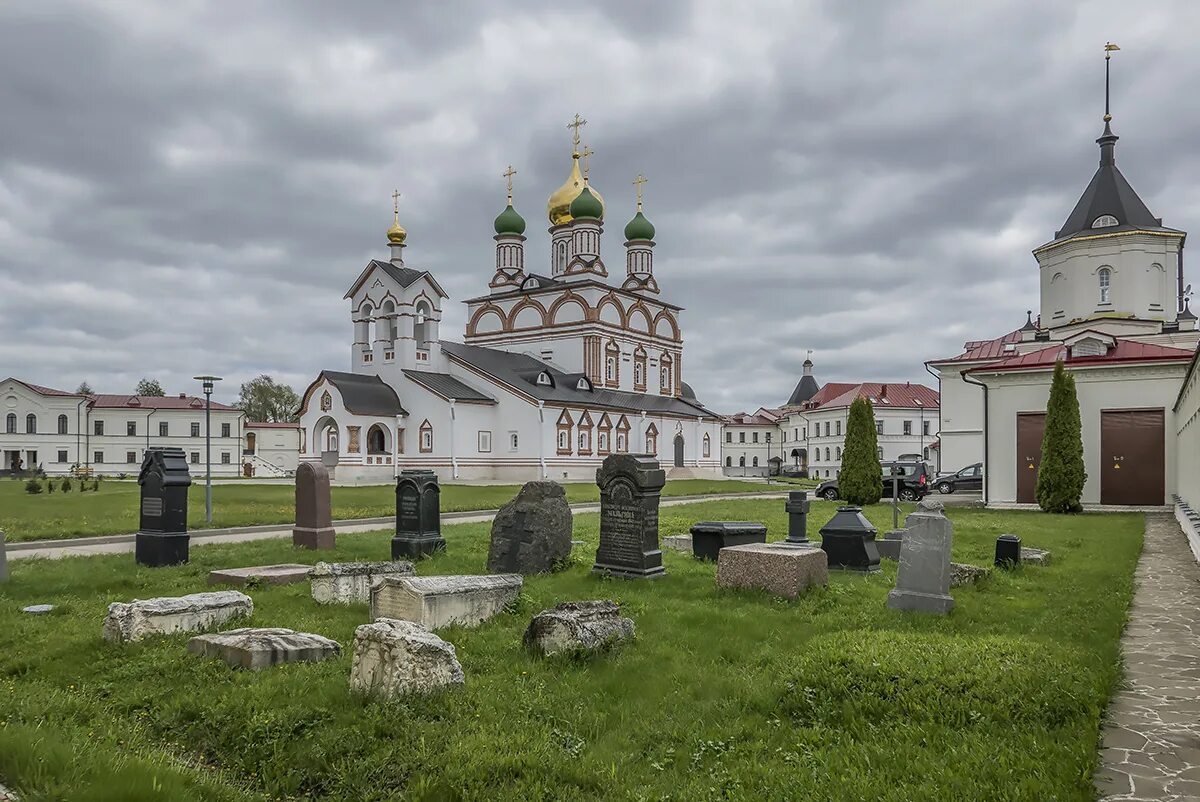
{"x": 265, "y": 469}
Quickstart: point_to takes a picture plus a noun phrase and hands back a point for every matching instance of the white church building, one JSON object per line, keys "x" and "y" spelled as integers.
{"x": 556, "y": 371}
{"x": 1114, "y": 310}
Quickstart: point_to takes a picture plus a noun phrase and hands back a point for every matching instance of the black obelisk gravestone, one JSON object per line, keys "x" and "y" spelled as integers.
{"x": 630, "y": 486}
{"x": 797, "y": 507}
{"x": 162, "y": 538}
{"x": 418, "y": 515}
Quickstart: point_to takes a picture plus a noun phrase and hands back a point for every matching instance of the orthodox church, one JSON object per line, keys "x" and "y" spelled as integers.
{"x": 1115, "y": 310}
{"x": 557, "y": 369}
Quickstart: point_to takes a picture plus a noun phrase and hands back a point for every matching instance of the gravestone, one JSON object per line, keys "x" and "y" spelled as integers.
{"x": 965, "y": 574}
{"x": 630, "y": 486}
{"x": 1008, "y": 551}
{"x": 162, "y": 537}
{"x": 257, "y": 648}
{"x": 439, "y": 601}
{"x": 397, "y": 658}
{"x": 284, "y": 574}
{"x": 785, "y": 569}
{"x": 1034, "y": 556}
{"x": 170, "y": 614}
{"x": 709, "y": 537}
{"x": 889, "y": 545}
{"x": 577, "y": 627}
{"x": 418, "y": 515}
{"x": 849, "y": 541}
{"x": 3, "y": 559}
{"x": 314, "y": 517}
{"x": 678, "y": 543}
{"x": 532, "y": 533}
{"x": 923, "y": 579}
{"x": 797, "y": 507}
{"x": 350, "y": 583}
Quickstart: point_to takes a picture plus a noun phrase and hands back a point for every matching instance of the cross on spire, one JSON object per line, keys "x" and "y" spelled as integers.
{"x": 508, "y": 174}
{"x": 576, "y": 124}
{"x": 1109, "y": 47}
{"x": 638, "y": 182}
{"x": 396, "y": 205}
{"x": 586, "y": 153}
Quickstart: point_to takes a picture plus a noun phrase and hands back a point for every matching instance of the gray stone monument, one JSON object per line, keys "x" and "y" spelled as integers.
{"x": 532, "y": 533}
{"x": 257, "y": 648}
{"x": 3, "y": 559}
{"x": 797, "y": 507}
{"x": 923, "y": 580}
{"x": 314, "y": 515}
{"x": 630, "y": 486}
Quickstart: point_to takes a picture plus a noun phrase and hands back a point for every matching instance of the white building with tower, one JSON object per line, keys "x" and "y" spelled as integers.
{"x": 556, "y": 370}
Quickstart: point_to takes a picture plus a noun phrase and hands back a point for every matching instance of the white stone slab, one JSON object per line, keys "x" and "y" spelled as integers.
{"x": 350, "y": 583}
{"x": 396, "y": 658}
{"x": 259, "y": 648}
{"x": 139, "y": 618}
{"x": 439, "y": 601}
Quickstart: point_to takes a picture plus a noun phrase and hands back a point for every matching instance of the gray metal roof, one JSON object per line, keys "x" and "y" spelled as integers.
{"x": 521, "y": 371}
{"x": 404, "y": 276}
{"x": 365, "y": 395}
{"x": 448, "y": 386}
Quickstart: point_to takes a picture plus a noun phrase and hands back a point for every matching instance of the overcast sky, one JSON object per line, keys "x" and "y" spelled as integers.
{"x": 190, "y": 187}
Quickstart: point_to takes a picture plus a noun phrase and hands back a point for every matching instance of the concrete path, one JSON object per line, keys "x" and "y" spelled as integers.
{"x": 117, "y": 544}
{"x": 1152, "y": 728}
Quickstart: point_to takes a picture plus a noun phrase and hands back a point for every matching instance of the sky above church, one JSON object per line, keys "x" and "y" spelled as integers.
{"x": 190, "y": 187}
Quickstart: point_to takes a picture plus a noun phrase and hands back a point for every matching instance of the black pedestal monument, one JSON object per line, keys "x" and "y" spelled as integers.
{"x": 797, "y": 507}
{"x": 849, "y": 541}
{"x": 1008, "y": 551}
{"x": 418, "y": 515}
{"x": 630, "y": 485}
{"x": 162, "y": 538}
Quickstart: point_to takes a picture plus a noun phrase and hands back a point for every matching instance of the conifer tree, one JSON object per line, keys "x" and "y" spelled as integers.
{"x": 1061, "y": 474}
{"x": 860, "y": 479}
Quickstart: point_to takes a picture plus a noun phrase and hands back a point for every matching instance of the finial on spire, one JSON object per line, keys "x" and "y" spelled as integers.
{"x": 576, "y": 124}
{"x": 638, "y": 182}
{"x": 586, "y": 153}
{"x": 396, "y": 206}
{"x": 508, "y": 174}
{"x": 1109, "y": 47}
{"x": 396, "y": 234}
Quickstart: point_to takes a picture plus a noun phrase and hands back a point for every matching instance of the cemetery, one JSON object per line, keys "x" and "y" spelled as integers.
{"x": 734, "y": 648}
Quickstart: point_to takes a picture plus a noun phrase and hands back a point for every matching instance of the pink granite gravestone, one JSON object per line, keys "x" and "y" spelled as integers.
{"x": 314, "y": 521}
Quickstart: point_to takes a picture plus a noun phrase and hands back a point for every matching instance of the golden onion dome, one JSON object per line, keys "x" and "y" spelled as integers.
{"x": 558, "y": 207}
{"x": 396, "y": 234}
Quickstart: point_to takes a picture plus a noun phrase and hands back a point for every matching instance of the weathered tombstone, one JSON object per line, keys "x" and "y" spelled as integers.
{"x": 418, "y": 515}
{"x": 1034, "y": 556}
{"x": 785, "y": 569}
{"x": 257, "y": 648}
{"x": 283, "y": 574}
{"x": 923, "y": 579}
{"x": 439, "y": 601}
{"x": 350, "y": 583}
{"x": 162, "y": 537}
{"x": 170, "y": 614}
{"x": 38, "y": 609}
{"x": 678, "y": 543}
{"x": 966, "y": 574}
{"x": 397, "y": 658}
{"x": 849, "y": 541}
{"x": 1008, "y": 551}
{"x": 630, "y": 486}
{"x": 532, "y": 533}
{"x": 709, "y": 537}
{"x": 314, "y": 516}
{"x": 3, "y": 559}
{"x": 797, "y": 507}
{"x": 576, "y": 627}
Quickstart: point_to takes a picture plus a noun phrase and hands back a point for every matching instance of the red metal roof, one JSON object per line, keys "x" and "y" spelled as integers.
{"x": 1124, "y": 351}
{"x": 40, "y": 390}
{"x": 897, "y": 395}
{"x": 984, "y": 349}
{"x": 109, "y": 401}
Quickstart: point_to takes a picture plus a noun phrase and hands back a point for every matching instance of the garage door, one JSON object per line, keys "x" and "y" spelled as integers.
{"x": 1132, "y": 457}
{"x": 1030, "y": 428}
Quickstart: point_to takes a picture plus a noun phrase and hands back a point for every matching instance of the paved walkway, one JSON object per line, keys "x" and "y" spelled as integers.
{"x": 118, "y": 544}
{"x": 1152, "y": 733}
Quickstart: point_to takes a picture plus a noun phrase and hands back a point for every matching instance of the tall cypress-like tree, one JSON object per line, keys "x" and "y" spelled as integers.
{"x": 1061, "y": 474}
{"x": 861, "y": 478}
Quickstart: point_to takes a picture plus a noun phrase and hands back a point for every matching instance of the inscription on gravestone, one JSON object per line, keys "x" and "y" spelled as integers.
{"x": 152, "y": 507}
{"x": 418, "y": 515}
{"x": 630, "y": 486}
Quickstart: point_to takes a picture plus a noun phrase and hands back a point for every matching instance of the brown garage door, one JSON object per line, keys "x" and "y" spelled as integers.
{"x": 1132, "y": 457}
{"x": 1030, "y": 428}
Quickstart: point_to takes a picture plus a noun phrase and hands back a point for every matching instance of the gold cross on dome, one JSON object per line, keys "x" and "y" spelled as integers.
{"x": 586, "y": 152}
{"x": 637, "y": 182}
{"x": 508, "y": 174}
{"x": 576, "y": 124}
{"x": 396, "y": 203}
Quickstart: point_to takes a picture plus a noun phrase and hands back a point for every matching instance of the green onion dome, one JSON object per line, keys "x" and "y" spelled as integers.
{"x": 587, "y": 205}
{"x": 509, "y": 222}
{"x": 639, "y": 228}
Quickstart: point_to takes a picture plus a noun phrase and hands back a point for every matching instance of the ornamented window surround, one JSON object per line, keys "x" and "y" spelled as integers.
{"x": 426, "y": 437}
{"x": 565, "y": 422}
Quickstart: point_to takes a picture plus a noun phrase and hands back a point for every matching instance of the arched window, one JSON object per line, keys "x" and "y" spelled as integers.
{"x": 421, "y": 323}
{"x": 652, "y": 439}
{"x": 707, "y": 447}
{"x": 664, "y": 374}
{"x": 10, "y": 423}
{"x": 1104, "y": 277}
{"x": 839, "y": 453}
{"x": 827, "y": 454}
{"x": 729, "y": 462}
{"x": 756, "y": 462}
{"x": 62, "y": 424}
{"x": 1104, "y": 221}
{"x": 565, "y": 422}
{"x": 31, "y": 424}
{"x": 426, "y": 435}
{"x": 741, "y": 462}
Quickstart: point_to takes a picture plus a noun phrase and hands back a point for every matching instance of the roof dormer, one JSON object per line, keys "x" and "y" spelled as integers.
{"x": 1089, "y": 343}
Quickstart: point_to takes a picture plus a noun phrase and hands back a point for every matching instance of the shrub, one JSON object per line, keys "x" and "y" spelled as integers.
{"x": 860, "y": 479}
{"x": 49, "y": 485}
{"x": 33, "y": 487}
{"x": 66, "y": 484}
{"x": 1061, "y": 474}
{"x": 95, "y": 485}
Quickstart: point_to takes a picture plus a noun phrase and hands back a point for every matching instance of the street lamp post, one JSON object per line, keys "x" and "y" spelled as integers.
{"x": 206, "y": 382}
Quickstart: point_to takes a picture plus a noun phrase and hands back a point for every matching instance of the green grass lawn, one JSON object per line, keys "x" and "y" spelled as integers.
{"x": 722, "y": 695}
{"x": 113, "y": 509}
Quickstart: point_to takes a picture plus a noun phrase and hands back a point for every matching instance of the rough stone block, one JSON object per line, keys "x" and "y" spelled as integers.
{"x": 966, "y": 574}
{"x": 166, "y": 615}
{"x": 581, "y": 626}
{"x": 439, "y": 601}
{"x": 397, "y": 658}
{"x": 532, "y": 533}
{"x": 682, "y": 543}
{"x": 256, "y": 649}
{"x": 284, "y": 574}
{"x": 350, "y": 583}
{"x": 1034, "y": 556}
{"x": 38, "y": 609}
{"x": 780, "y": 568}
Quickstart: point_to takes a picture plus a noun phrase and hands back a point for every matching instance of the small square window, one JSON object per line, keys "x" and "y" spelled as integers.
{"x": 98, "y": 457}
{"x": 225, "y": 458}
{"x": 131, "y": 457}
{"x": 62, "y": 456}
{"x": 194, "y": 458}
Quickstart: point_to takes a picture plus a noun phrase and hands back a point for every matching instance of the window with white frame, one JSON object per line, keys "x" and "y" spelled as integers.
{"x": 1104, "y": 277}
{"x": 513, "y": 441}
{"x": 925, "y": 428}
{"x": 163, "y": 428}
{"x": 622, "y": 443}
{"x": 130, "y": 457}
{"x": 98, "y": 457}
{"x": 564, "y": 440}
{"x": 226, "y": 458}
{"x": 707, "y": 447}
{"x": 839, "y": 428}
{"x": 602, "y": 442}
{"x": 62, "y": 456}
{"x": 878, "y": 427}
{"x": 908, "y": 427}
{"x": 62, "y": 424}
{"x": 484, "y": 442}
{"x": 131, "y": 428}
{"x": 195, "y": 429}
{"x": 194, "y": 458}
{"x": 426, "y": 444}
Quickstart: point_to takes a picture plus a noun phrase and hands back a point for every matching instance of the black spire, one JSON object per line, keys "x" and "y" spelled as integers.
{"x": 806, "y": 388}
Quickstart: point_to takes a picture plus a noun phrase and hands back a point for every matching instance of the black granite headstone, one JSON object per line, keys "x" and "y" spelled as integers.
{"x": 797, "y": 507}
{"x": 849, "y": 541}
{"x": 418, "y": 515}
{"x": 630, "y": 486}
{"x": 709, "y": 537}
{"x": 1008, "y": 551}
{"x": 162, "y": 537}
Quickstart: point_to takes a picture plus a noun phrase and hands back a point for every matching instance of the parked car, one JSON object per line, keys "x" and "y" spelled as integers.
{"x": 969, "y": 478}
{"x": 913, "y": 484}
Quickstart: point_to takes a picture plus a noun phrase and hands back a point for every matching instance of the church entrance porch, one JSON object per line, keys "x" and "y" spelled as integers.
{"x": 1132, "y": 457}
{"x": 1031, "y": 426}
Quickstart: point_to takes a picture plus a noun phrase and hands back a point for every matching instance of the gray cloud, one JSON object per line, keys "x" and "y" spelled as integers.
{"x": 190, "y": 187}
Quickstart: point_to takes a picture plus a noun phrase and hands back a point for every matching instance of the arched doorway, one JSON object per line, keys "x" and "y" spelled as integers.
{"x": 251, "y": 440}
{"x": 377, "y": 440}
{"x": 325, "y": 435}
{"x": 679, "y": 451}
